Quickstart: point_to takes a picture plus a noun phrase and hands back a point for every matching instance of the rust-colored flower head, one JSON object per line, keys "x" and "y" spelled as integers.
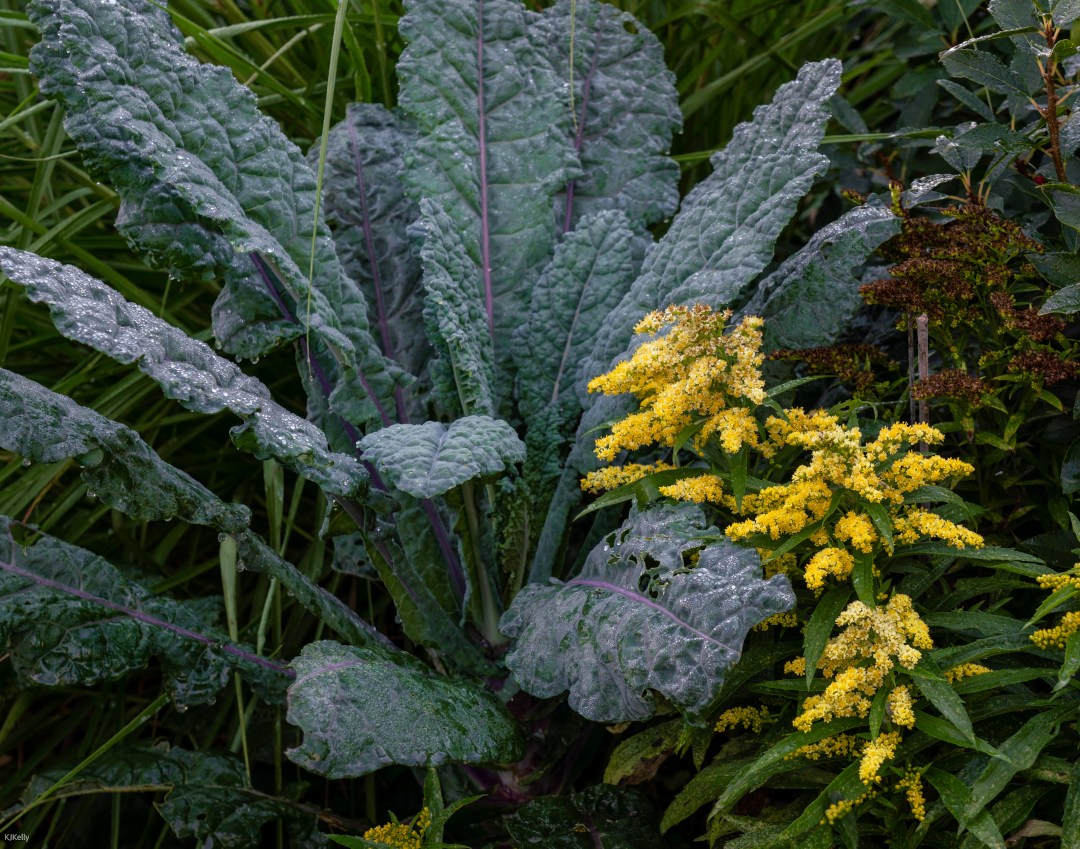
{"x": 850, "y": 363}
{"x": 1044, "y": 364}
{"x": 954, "y": 384}
{"x": 1039, "y": 328}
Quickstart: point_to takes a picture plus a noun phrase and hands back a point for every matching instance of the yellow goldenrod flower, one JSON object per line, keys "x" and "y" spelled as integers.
{"x": 899, "y": 706}
{"x": 750, "y": 718}
{"x": 857, "y": 529}
{"x": 787, "y": 620}
{"x": 1062, "y": 579}
{"x": 877, "y": 751}
{"x": 844, "y": 807}
{"x": 796, "y": 666}
{"x": 912, "y": 781}
{"x": 616, "y": 476}
{"x": 837, "y": 746}
{"x": 1049, "y": 638}
{"x": 399, "y": 835}
{"x": 837, "y": 562}
{"x": 918, "y": 522}
{"x": 966, "y": 670}
{"x": 696, "y": 489}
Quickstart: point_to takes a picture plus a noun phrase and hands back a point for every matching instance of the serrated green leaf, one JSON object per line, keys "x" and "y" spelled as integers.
{"x": 626, "y": 109}
{"x": 820, "y": 627}
{"x": 641, "y": 617}
{"x": 70, "y": 618}
{"x": 1019, "y": 15}
{"x": 588, "y": 276}
{"x": 363, "y": 708}
{"x": 362, "y": 193}
{"x": 757, "y": 180}
{"x": 984, "y": 69}
{"x": 1065, "y": 12}
{"x": 198, "y": 203}
{"x": 599, "y": 816}
{"x": 118, "y": 467}
{"x": 494, "y": 145}
{"x": 464, "y": 373}
{"x": 188, "y": 371}
{"x": 432, "y": 458}
{"x": 208, "y": 795}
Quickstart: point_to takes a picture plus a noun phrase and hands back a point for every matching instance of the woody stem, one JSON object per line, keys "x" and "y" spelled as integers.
{"x": 1050, "y": 115}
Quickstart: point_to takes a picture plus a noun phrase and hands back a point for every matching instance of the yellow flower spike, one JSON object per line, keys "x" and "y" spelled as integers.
{"x": 400, "y": 835}
{"x": 616, "y": 476}
{"x": 899, "y": 705}
{"x": 837, "y": 746}
{"x": 877, "y": 751}
{"x": 786, "y": 620}
{"x": 966, "y": 670}
{"x": 909, "y": 527}
{"x": 1050, "y": 638}
{"x": 837, "y": 562}
{"x": 697, "y": 489}
{"x": 751, "y": 718}
{"x": 912, "y": 782}
{"x": 857, "y": 529}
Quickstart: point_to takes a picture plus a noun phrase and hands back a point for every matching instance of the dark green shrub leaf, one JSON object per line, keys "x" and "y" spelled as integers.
{"x": 494, "y": 146}
{"x": 118, "y": 467}
{"x": 432, "y": 458}
{"x": 643, "y": 616}
{"x": 983, "y": 68}
{"x": 188, "y": 371}
{"x": 709, "y": 255}
{"x": 363, "y": 708}
{"x": 599, "y": 817}
{"x": 637, "y": 758}
{"x": 957, "y": 797}
{"x": 463, "y": 376}
{"x": 71, "y": 618}
{"x": 702, "y": 789}
{"x": 626, "y": 110}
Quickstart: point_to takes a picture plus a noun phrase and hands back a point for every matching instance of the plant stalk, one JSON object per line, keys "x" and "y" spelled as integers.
{"x": 923, "y": 325}
{"x": 1050, "y": 115}
{"x": 487, "y": 598}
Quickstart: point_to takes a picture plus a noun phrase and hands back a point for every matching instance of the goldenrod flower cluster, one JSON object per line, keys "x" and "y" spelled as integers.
{"x": 857, "y": 529}
{"x": 912, "y": 781}
{"x": 399, "y": 835}
{"x": 753, "y": 719}
{"x": 965, "y": 670}
{"x": 616, "y": 476}
{"x": 837, "y": 746}
{"x": 692, "y": 373}
{"x": 785, "y": 620}
{"x": 698, "y": 489}
{"x": 784, "y": 510}
{"x": 1062, "y": 579}
{"x": 878, "y": 634}
{"x": 918, "y": 522}
{"x": 844, "y": 806}
{"x": 877, "y": 751}
{"x": 900, "y": 706}
{"x": 1049, "y": 638}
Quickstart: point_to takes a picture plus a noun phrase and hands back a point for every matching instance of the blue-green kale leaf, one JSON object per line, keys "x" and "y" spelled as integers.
{"x": 429, "y": 459}
{"x": 364, "y": 708}
{"x": 654, "y": 609}
{"x": 70, "y": 617}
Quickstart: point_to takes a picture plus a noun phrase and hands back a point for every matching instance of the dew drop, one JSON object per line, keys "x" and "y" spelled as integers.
{"x": 26, "y": 462}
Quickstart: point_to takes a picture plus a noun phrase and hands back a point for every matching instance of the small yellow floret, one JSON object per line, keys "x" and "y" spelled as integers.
{"x": 399, "y": 835}
{"x": 786, "y": 620}
{"x": 1049, "y": 638}
{"x": 899, "y": 706}
{"x": 877, "y": 751}
{"x": 912, "y": 781}
{"x": 966, "y": 670}
{"x": 750, "y": 718}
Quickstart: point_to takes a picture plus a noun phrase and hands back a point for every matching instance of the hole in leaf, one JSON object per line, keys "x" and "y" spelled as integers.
{"x": 630, "y": 27}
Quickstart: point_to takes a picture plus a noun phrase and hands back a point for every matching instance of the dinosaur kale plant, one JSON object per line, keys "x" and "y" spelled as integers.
{"x": 477, "y": 257}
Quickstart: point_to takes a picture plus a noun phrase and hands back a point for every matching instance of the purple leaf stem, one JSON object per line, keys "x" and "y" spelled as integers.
{"x": 384, "y": 327}
{"x": 581, "y": 123}
{"x": 485, "y": 235}
{"x": 149, "y": 620}
{"x": 604, "y": 585}
{"x": 592, "y": 830}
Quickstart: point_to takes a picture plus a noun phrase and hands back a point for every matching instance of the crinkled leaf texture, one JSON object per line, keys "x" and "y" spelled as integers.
{"x": 641, "y": 617}
{"x": 362, "y": 709}
{"x": 363, "y": 194}
{"x": 70, "y": 618}
{"x": 119, "y": 468}
{"x": 627, "y": 110}
{"x": 587, "y": 278}
{"x": 599, "y": 817}
{"x": 209, "y": 186}
{"x": 810, "y": 298}
{"x": 724, "y": 233}
{"x": 429, "y": 459}
{"x": 463, "y": 376}
{"x": 494, "y": 143}
{"x": 89, "y": 311}
{"x": 208, "y": 794}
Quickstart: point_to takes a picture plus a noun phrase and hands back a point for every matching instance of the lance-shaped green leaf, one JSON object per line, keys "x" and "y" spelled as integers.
{"x": 89, "y": 311}
{"x": 429, "y": 459}
{"x": 723, "y": 235}
{"x": 363, "y": 709}
{"x": 118, "y": 467}
{"x": 599, "y": 817}
{"x": 494, "y": 143}
{"x": 588, "y": 276}
{"x": 257, "y": 556}
{"x": 463, "y": 376}
{"x": 984, "y": 69}
{"x": 208, "y": 795}
{"x": 70, "y": 618}
{"x": 363, "y": 194}
{"x": 626, "y": 110}
{"x": 643, "y": 617}
{"x": 205, "y": 178}
{"x": 811, "y": 297}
